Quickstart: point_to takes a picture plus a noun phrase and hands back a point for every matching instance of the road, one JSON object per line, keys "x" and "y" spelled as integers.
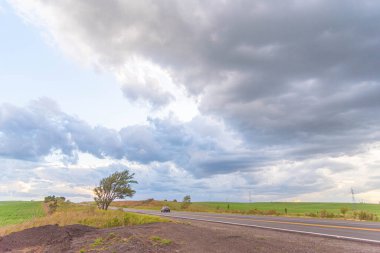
{"x": 342, "y": 229}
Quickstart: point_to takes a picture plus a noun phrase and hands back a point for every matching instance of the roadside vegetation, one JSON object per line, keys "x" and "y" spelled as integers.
{"x": 90, "y": 215}
{"x": 357, "y": 211}
{"x": 14, "y": 212}
{"x": 107, "y": 243}
{"x": 161, "y": 241}
{"x": 115, "y": 186}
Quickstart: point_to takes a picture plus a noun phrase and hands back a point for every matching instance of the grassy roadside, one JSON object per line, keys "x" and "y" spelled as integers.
{"x": 68, "y": 213}
{"x": 299, "y": 209}
{"x": 14, "y": 212}
{"x": 293, "y": 208}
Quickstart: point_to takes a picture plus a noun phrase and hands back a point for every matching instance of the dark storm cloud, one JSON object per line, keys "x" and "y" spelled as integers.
{"x": 34, "y": 132}
{"x": 297, "y": 78}
{"x": 41, "y": 129}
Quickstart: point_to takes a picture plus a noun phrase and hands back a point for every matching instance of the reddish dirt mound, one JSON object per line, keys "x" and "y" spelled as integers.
{"x": 173, "y": 237}
{"x": 50, "y": 238}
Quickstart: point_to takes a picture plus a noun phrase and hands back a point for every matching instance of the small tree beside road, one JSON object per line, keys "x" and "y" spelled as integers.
{"x": 186, "y": 202}
{"x": 116, "y": 186}
{"x": 52, "y": 203}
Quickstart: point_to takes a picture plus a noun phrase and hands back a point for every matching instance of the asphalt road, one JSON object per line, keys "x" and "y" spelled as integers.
{"x": 342, "y": 229}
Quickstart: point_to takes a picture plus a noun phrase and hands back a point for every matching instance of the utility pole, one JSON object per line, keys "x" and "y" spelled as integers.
{"x": 250, "y": 197}
{"x": 353, "y": 198}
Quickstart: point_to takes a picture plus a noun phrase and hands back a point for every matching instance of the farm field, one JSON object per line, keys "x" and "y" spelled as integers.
{"x": 69, "y": 214}
{"x": 71, "y": 228}
{"x": 14, "y": 212}
{"x": 293, "y": 207}
{"x": 275, "y": 208}
{"x": 194, "y": 236}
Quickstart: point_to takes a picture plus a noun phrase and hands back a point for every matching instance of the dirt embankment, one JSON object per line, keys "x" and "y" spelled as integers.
{"x": 50, "y": 238}
{"x": 172, "y": 237}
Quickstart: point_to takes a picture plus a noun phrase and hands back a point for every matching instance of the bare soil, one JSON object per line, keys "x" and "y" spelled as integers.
{"x": 172, "y": 237}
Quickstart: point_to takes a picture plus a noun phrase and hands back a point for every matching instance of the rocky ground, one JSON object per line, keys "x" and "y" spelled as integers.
{"x": 172, "y": 237}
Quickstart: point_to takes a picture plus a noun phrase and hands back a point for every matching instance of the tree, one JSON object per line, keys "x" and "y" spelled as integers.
{"x": 116, "y": 186}
{"x": 187, "y": 199}
{"x": 186, "y": 202}
{"x": 49, "y": 198}
{"x": 52, "y": 202}
{"x": 54, "y": 198}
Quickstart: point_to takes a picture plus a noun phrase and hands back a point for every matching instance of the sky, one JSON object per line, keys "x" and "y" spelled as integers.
{"x": 221, "y": 100}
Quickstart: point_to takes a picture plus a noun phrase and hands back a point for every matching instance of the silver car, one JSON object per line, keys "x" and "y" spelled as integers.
{"x": 165, "y": 209}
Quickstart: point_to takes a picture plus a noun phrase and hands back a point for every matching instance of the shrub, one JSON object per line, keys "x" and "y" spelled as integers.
{"x": 53, "y": 202}
{"x": 270, "y": 212}
{"x": 343, "y": 210}
{"x": 186, "y": 202}
{"x": 311, "y": 214}
{"x": 254, "y": 211}
{"x": 147, "y": 201}
{"x": 48, "y": 199}
{"x": 363, "y": 215}
{"x": 52, "y": 206}
{"x": 325, "y": 214}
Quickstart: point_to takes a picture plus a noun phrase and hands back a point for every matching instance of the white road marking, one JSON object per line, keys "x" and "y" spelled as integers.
{"x": 272, "y": 228}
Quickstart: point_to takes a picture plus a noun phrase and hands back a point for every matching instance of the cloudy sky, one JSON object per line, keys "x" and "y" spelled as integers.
{"x": 216, "y": 99}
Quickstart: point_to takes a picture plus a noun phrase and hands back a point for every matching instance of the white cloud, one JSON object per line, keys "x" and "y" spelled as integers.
{"x": 145, "y": 81}
{"x": 290, "y": 86}
{"x": 141, "y": 80}
{"x": 249, "y": 70}
{"x": 311, "y": 180}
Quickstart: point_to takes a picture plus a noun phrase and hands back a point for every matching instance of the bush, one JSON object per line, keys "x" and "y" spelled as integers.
{"x": 52, "y": 206}
{"x": 53, "y": 202}
{"x": 343, "y": 210}
{"x": 147, "y": 201}
{"x": 363, "y": 215}
{"x": 48, "y": 199}
{"x": 270, "y": 212}
{"x": 186, "y": 202}
{"x": 311, "y": 214}
{"x": 254, "y": 211}
{"x": 325, "y": 214}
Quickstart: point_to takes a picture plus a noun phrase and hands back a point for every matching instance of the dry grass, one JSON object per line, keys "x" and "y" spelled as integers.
{"x": 68, "y": 214}
{"x": 361, "y": 211}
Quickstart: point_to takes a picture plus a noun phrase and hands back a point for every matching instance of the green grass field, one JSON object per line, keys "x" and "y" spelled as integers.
{"x": 323, "y": 210}
{"x": 14, "y": 212}
{"x": 292, "y": 207}
{"x": 68, "y": 214}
